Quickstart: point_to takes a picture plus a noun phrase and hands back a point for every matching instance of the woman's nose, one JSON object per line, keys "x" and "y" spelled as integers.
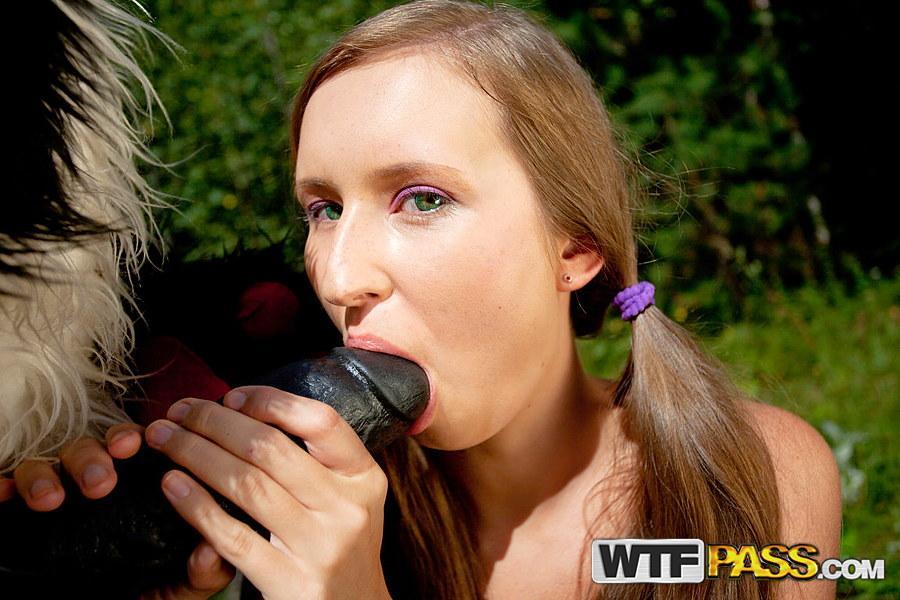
{"x": 355, "y": 272}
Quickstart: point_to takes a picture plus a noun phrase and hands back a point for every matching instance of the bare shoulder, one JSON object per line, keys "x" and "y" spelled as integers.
{"x": 809, "y": 487}
{"x": 792, "y": 440}
{"x": 805, "y": 469}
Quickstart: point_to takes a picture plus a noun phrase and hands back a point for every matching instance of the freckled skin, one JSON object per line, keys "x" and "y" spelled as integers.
{"x": 472, "y": 293}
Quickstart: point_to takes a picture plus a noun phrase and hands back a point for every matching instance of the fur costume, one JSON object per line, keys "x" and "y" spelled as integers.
{"x": 75, "y": 223}
{"x": 80, "y": 311}
{"x": 79, "y": 316}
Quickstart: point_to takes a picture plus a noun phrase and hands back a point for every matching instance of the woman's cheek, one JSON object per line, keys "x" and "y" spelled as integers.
{"x": 469, "y": 287}
{"x": 483, "y": 340}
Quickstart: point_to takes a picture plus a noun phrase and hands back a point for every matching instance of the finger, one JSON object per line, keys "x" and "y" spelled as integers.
{"x": 261, "y": 445}
{"x": 87, "y": 461}
{"x": 232, "y": 540}
{"x": 208, "y": 573}
{"x": 328, "y": 437}
{"x": 7, "y": 489}
{"x": 39, "y": 485}
{"x": 124, "y": 440}
{"x": 246, "y": 485}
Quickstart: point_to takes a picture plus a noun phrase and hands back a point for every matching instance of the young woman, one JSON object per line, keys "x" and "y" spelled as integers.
{"x": 468, "y": 209}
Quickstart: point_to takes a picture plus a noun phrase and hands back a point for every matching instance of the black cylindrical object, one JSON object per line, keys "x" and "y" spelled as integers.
{"x": 133, "y": 540}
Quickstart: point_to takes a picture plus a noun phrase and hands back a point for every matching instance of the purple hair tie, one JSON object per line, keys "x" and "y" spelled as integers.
{"x": 634, "y": 299}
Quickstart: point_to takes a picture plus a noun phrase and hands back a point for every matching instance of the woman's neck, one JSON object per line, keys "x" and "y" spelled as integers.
{"x": 524, "y": 467}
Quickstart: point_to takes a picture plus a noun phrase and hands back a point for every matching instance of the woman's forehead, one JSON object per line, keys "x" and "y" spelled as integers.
{"x": 400, "y": 108}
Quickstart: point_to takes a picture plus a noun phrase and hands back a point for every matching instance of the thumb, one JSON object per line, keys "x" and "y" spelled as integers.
{"x": 207, "y": 574}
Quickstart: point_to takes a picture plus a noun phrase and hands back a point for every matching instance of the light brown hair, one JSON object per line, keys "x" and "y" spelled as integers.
{"x": 703, "y": 471}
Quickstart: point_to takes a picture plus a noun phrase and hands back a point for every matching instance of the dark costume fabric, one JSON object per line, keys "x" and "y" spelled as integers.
{"x": 214, "y": 324}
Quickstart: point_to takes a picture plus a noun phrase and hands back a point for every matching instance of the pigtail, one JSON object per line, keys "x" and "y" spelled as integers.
{"x": 429, "y": 548}
{"x": 705, "y": 472}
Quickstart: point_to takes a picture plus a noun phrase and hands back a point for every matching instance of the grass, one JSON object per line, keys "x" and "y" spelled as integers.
{"x": 831, "y": 358}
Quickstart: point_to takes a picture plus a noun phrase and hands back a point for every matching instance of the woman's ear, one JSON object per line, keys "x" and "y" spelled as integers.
{"x": 579, "y": 263}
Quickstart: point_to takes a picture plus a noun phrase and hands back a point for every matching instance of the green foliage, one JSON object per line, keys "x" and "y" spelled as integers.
{"x": 697, "y": 89}
{"x": 702, "y": 99}
{"x": 228, "y": 95}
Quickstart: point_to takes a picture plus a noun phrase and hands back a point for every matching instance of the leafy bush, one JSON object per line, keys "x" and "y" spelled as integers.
{"x": 701, "y": 92}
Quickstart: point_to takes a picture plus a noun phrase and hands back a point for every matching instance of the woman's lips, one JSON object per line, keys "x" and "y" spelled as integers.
{"x": 425, "y": 419}
{"x": 376, "y": 344}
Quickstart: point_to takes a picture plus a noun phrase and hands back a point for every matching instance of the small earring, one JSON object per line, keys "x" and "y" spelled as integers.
{"x": 568, "y": 278}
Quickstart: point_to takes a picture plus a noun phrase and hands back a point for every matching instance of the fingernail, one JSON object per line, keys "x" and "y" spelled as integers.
{"x": 206, "y": 557}
{"x": 94, "y": 475}
{"x": 119, "y": 437}
{"x": 175, "y": 486}
{"x": 178, "y": 411}
{"x": 159, "y": 434}
{"x": 235, "y": 400}
{"x": 41, "y": 488}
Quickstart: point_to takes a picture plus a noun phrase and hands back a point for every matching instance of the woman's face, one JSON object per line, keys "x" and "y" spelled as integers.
{"x": 425, "y": 233}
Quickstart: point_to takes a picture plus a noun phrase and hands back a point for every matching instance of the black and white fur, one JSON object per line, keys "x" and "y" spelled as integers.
{"x": 75, "y": 221}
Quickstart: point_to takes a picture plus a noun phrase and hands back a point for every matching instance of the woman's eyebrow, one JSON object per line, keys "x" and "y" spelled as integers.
{"x": 393, "y": 173}
{"x": 406, "y": 170}
{"x": 313, "y": 184}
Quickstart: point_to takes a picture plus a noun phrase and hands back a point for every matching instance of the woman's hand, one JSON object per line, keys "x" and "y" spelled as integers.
{"x": 90, "y": 465}
{"x": 325, "y": 508}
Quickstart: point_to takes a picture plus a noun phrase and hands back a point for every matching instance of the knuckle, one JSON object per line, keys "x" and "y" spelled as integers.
{"x": 269, "y": 407}
{"x": 200, "y": 416}
{"x": 378, "y": 478}
{"x": 380, "y": 485}
{"x": 357, "y": 519}
{"x": 250, "y": 489}
{"x": 264, "y": 447}
{"x": 353, "y": 519}
{"x": 240, "y": 541}
{"x": 275, "y": 404}
{"x": 21, "y": 472}
{"x": 77, "y": 449}
{"x": 206, "y": 517}
{"x": 265, "y": 395}
{"x": 374, "y": 484}
{"x": 322, "y": 418}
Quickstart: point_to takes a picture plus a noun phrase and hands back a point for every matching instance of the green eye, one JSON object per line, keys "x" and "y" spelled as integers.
{"x": 428, "y": 201}
{"x": 424, "y": 199}
{"x": 332, "y": 212}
